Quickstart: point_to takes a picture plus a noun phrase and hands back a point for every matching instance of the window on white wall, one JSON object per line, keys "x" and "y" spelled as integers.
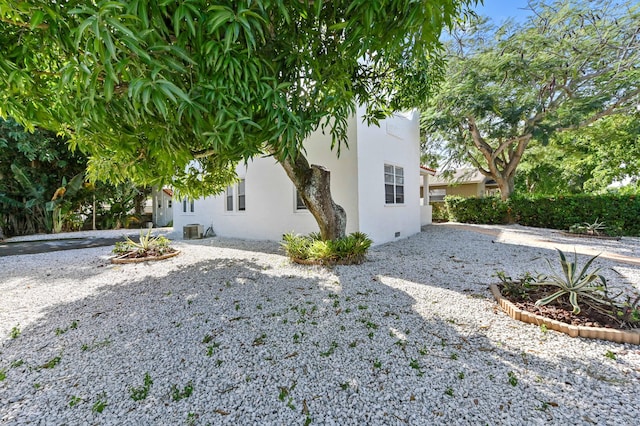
{"x": 300, "y": 205}
{"x": 188, "y": 206}
{"x": 236, "y": 197}
{"x": 393, "y": 184}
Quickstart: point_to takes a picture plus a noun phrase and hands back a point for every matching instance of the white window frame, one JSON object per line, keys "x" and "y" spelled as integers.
{"x": 394, "y": 179}
{"x": 235, "y": 197}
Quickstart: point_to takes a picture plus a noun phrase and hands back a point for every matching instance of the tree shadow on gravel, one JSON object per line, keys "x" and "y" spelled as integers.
{"x": 240, "y": 340}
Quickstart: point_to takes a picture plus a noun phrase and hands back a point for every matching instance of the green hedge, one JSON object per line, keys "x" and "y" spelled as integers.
{"x": 439, "y": 211}
{"x": 620, "y": 213}
{"x": 489, "y": 210}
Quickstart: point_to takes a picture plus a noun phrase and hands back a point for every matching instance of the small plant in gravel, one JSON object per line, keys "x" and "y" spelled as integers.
{"x": 140, "y": 393}
{"x": 17, "y": 363}
{"x": 51, "y": 363}
{"x": 449, "y": 391}
{"x": 15, "y": 332}
{"x": 101, "y": 403}
{"x": 75, "y": 400}
{"x": 610, "y": 355}
{"x": 331, "y": 349}
{"x": 177, "y": 394}
{"x": 513, "y": 380}
{"x": 3, "y": 374}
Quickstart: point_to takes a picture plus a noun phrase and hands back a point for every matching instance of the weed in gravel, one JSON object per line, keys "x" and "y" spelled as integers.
{"x": 207, "y": 338}
{"x": 219, "y": 362}
{"x": 3, "y": 374}
{"x": 454, "y": 356}
{"x": 377, "y": 364}
{"x": 258, "y": 341}
{"x": 296, "y": 338}
{"x": 353, "y": 344}
{"x": 177, "y": 394}
{"x": 17, "y": 363}
{"x": 449, "y": 392}
{"x": 52, "y": 362}
{"x": 140, "y": 393}
{"x": 610, "y": 355}
{"x": 100, "y": 404}
{"x": 331, "y": 349}
{"x": 416, "y": 366}
{"x": 37, "y": 386}
{"x": 344, "y": 386}
{"x": 461, "y": 375}
{"x": 75, "y": 400}
{"x": 423, "y": 351}
{"x": 513, "y": 380}
{"x": 15, "y": 332}
{"x": 212, "y": 348}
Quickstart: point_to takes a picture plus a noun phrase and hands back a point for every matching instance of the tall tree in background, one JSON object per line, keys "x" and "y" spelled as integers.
{"x": 148, "y": 87}
{"x": 585, "y": 160}
{"x": 569, "y": 65}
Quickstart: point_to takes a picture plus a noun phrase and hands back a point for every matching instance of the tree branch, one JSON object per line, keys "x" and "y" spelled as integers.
{"x": 608, "y": 111}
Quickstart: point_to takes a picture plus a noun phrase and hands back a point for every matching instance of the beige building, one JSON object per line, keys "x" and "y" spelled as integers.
{"x": 464, "y": 182}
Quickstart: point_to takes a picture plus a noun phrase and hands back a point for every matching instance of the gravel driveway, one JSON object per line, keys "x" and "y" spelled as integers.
{"x": 229, "y": 332}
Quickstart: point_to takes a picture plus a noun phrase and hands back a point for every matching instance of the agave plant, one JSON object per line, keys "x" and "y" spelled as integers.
{"x": 594, "y": 228}
{"x": 577, "y": 283}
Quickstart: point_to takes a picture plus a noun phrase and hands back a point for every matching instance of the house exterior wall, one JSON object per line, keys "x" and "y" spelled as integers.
{"x": 270, "y": 196}
{"x": 357, "y": 184}
{"x": 464, "y": 189}
{"x": 396, "y": 142}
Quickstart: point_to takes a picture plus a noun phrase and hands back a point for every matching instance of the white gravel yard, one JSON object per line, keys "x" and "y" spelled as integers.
{"x": 230, "y": 332}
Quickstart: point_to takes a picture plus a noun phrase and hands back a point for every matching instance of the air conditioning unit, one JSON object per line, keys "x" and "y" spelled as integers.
{"x": 192, "y": 232}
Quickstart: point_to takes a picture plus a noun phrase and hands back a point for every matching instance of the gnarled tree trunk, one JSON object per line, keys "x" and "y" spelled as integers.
{"x": 313, "y": 185}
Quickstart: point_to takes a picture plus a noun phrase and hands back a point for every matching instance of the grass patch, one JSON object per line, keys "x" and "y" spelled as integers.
{"x": 311, "y": 249}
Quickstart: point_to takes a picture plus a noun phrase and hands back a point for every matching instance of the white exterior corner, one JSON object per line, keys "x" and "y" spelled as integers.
{"x": 357, "y": 184}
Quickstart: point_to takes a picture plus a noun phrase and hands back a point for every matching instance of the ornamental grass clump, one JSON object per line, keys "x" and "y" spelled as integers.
{"x": 578, "y": 284}
{"x": 311, "y": 249}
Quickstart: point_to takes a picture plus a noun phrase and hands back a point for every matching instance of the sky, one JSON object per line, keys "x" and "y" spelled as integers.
{"x": 501, "y": 10}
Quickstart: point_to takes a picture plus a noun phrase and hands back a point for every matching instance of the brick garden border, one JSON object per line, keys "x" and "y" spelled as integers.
{"x": 618, "y": 336}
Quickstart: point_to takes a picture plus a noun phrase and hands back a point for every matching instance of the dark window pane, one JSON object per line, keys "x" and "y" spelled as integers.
{"x": 388, "y": 194}
{"x": 300, "y": 205}
{"x": 399, "y": 194}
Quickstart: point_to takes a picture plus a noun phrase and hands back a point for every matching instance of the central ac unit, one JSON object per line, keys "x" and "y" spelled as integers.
{"x": 192, "y": 232}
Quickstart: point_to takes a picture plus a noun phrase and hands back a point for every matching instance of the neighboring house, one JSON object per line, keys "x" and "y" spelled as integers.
{"x": 463, "y": 182}
{"x": 162, "y": 207}
{"x": 376, "y": 180}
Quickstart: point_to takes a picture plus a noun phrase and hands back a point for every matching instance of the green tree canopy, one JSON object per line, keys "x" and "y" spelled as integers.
{"x": 569, "y": 65}
{"x": 589, "y": 159}
{"x": 148, "y": 87}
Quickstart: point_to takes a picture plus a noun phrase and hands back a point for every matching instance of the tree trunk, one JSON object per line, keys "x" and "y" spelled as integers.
{"x": 506, "y": 186}
{"x": 313, "y": 185}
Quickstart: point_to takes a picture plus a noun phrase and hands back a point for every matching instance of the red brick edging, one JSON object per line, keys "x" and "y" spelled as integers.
{"x": 618, "y": 336}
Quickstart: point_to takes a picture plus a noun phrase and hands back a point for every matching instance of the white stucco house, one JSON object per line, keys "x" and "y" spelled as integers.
{"x": 377, "y": 181}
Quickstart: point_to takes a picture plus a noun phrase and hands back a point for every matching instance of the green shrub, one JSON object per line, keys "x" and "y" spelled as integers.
{"x": 312, "y": 249}
{"x": 439, "y": 212}
{"x": 489, "y": 210}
